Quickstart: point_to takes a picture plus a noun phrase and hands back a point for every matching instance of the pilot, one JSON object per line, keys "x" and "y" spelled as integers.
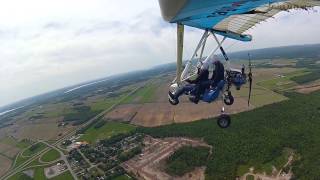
{"x": 203, "y": 73}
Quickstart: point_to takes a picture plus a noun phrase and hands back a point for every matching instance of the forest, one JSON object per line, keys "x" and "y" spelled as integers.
{"x": 258, "y": 137}
{"x": 186, "y": 159}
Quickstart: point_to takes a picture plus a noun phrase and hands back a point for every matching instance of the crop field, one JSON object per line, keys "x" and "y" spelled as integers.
{"x": 46, "y": 128}
{"x": 5, "y": 164}
{"x": 93, "y": 134}
{"x": 144, "y": 95}
{"x": 283, "y": 82}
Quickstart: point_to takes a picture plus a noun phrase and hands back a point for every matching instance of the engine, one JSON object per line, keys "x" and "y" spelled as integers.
{"x": 237, "y": 77}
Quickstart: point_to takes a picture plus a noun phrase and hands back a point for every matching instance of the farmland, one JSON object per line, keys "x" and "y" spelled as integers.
{"x": 106, "y": 131}
{"x": 263, "y": 135}
{"x": 259, "y": 137}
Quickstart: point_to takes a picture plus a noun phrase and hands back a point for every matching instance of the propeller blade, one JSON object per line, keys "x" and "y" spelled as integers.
{"x": 250, "y": 79}
{"x": 250, "y": 87}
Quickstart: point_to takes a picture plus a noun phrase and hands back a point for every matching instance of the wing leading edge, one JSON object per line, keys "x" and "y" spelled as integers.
{"x": 230, "y": 18}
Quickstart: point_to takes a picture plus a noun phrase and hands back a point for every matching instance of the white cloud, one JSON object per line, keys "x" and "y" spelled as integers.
{"x": 47, "y": 45}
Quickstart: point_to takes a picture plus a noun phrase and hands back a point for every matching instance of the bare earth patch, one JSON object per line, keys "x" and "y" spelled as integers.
{"x": 148, "y": 165}
{"x": 157, "y": 114}
{"x": 123, "y": 112}
{"x": 9, "y": 150}
{"x": 309, "y": 88}
{"x": 5, "y": 164}
{"x": 46, "y": 129}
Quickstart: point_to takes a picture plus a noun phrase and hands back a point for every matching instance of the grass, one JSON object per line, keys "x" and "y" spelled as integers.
{"x": 282, "y": 83}
{"x": 259, "y": 96}
{"x": 34, "y": 163}
{"x": 106, "y": 131}
{"x": 20, "y": 160}
{"x": 28, "y": 152}
{"x": 250, "y": 177}
{"x": 106, "y": 102}
{"x": 51, "y": 155}
{"x": 242, "y": 169}
{"x": 143, "y": 95}
{"x": 39, "y": 174}
{"x": 123, "y": 177}
{"x": 20, "y": 176}
{"x": 64, "y": 176}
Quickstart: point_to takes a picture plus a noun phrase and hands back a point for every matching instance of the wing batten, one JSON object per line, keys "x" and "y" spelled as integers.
{"x": 232, "y": 18}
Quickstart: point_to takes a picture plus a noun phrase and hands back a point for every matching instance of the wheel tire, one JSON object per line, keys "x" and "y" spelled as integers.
{"x": 224, "y": 121}
{"x": 228, "y": 99}
{"x": 173, "y": 101}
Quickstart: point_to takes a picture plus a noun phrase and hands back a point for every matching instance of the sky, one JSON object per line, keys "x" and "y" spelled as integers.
{"x": 50, "y": 44}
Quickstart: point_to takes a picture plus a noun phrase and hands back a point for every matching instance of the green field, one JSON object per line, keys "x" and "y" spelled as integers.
{"x": 144, "y": 95}
{"x": 20, "y": 176}
{"x": 27, "y": 153}
{"x": 282, "y": 83}
{"x": 30, "y": 152}
{"x": 39, "y": 173}
{"x": 259, "y": 138}
{"x": 51, "y": 155}
{"x": 106, "y": 131}
{"x": 64, "y": 176}
{"x": 105, "y": 103}
{"x": 123, "y": 177}
{"x": 260, "y": 96}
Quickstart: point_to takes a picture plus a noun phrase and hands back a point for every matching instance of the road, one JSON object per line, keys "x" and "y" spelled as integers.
{"x": 65, "y": 137}
{"x": 62, "y": 157}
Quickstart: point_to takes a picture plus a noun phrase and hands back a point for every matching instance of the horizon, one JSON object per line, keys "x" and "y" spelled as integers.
{"x": 45, "y": 50}
{"x": 97, "y": 80}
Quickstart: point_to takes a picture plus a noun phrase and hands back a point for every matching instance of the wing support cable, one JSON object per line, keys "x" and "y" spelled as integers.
{"x": 188, "y": 65}
{"x": 222, "y": 50}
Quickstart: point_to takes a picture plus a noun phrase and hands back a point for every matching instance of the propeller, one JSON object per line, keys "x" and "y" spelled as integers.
{"x": 250, "y": 79}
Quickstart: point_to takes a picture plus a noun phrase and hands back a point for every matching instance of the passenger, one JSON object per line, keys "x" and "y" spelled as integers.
{"x": 202, "y": 82}
{"x": 217, "y": 76}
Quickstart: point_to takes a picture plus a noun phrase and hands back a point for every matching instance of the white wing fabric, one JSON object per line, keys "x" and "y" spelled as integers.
{"x": 230, "y": 18}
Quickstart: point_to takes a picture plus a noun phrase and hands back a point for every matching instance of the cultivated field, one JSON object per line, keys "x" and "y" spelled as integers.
{"x": 5, "y": 164}
{"x": 157, "y": 110}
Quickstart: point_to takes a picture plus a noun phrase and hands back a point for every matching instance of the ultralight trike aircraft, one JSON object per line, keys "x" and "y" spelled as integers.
{"x": 229, "y": 19}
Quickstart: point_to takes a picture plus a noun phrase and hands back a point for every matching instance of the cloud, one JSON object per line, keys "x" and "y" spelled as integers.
{"x": 48, "y": 45}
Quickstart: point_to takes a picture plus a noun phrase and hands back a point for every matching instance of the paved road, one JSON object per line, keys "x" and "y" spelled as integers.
{"x": 67, "y": 136}
{"x": 64, "y": 158}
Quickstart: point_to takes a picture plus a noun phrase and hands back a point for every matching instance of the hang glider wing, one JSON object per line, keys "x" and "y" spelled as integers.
{"x": 229, "y": 18}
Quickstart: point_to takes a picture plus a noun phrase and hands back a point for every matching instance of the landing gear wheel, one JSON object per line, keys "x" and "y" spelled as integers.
{"x": 172, "y": 101}
{"x": 228, "y": 99}
{"x": 224, "y": 121}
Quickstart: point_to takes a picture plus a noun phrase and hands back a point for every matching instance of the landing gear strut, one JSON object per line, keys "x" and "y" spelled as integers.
{"x": 228, "y": 98}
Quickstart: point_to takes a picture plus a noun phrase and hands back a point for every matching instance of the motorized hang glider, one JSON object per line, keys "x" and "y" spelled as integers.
{"x": 228, "y": 18}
